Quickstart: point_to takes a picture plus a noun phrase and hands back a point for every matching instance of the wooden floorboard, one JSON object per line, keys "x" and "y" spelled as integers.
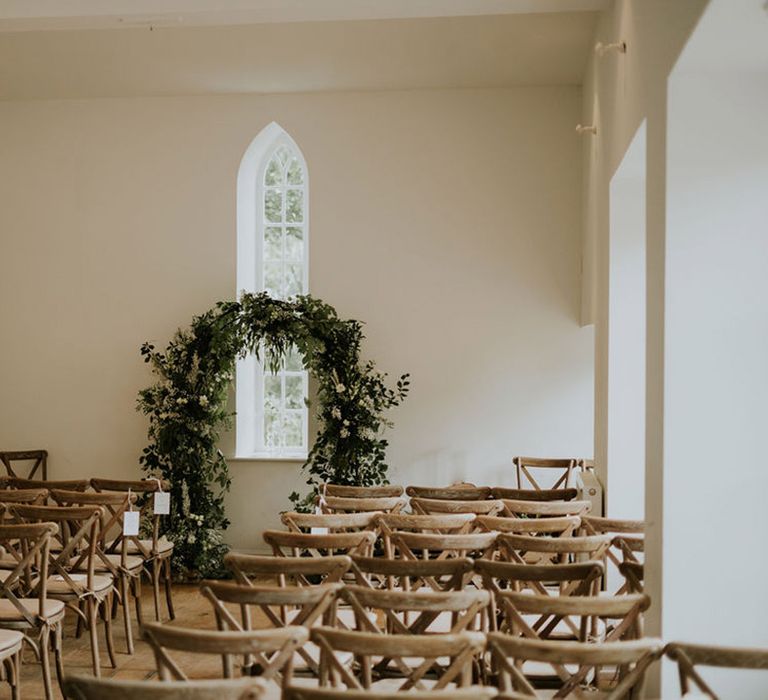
{"x": 192, "y": 610}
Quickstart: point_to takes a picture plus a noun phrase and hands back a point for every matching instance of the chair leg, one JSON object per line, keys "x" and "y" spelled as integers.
{"x": 156, "y": 564}
{"x": 136, "y": 590}
{"x": 79, "y": 627}
{"x": 93, "y": 620}
{"x": 45, "y": 661}
{"x": 126, "y": 612}
{"x": 106, "y": 606}
{"x": 58, "y": 651}
{"x": 168, "y": 590}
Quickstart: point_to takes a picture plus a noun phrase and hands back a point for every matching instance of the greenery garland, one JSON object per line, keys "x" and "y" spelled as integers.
{"x": 187, "y": 410}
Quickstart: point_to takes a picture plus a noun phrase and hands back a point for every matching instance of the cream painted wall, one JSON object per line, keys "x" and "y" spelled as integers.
{"x": 447, "y": 220}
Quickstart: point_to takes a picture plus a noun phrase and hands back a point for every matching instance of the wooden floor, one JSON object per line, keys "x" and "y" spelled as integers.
{"x": 192, "y": 610}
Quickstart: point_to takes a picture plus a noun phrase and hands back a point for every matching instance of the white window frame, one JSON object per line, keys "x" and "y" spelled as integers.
{"x": 250, "y": 376}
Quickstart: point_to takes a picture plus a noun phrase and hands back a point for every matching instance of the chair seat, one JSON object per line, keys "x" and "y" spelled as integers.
{"x": 58, "y": 586}
{"x": 164, "y": 546}
{"x": 132, "y": 563}
{"x": 10, "y": 641}
{"x": 10, "y": 613}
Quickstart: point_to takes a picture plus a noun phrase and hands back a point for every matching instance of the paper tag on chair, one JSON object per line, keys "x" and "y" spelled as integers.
{"x": 162, "y": 503}
{"x": 131, "y": 523}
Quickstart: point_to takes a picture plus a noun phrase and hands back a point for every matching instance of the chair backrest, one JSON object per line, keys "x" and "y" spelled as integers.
{"x": 409, "y": 574}
{"x": 143, "y": 488}
{"x": 69, "y": 484}
{"x": 524, "y": 465}
{"x": 461, "y": 649}
{"x": 30, "y": 496}
{"x": 76, "y": 541}
{"x": 457, "y": 492}
{"x": 633, "y": 574}
{"x": 272, "y": 649}
{"x": 688, "y": 656}
{"x": 545, "y": 509}
{"x": 434, "y": 506}
{"x": 114, "y": 505}
{"x": 571, "y": 579}
{"x": 300, "y": 571}
{"x": 294, "y": 544}
{"x": 89, "y": 688}
{"x": 29, "y": 546}
{"x": 563, "y": 526}
{"x": 417, "y": 545}
{"x": 38, "y": 459}
{"x": 525, "y": 549}
{"x": 345, "y": 504}
{"x": 534, "y": 494}
{"x": 330, "y": 522}
{"x": 474, "y": 692}
{"x": 384, "y": 491}
{"x": 427, "y": 605}
{"x": 628, "y": 543}
{"x": 633, "y": 658}
{"x": 580, "y": 613}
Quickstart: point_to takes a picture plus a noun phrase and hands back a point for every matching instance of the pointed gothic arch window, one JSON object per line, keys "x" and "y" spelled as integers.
{"x": 272, "y": 256}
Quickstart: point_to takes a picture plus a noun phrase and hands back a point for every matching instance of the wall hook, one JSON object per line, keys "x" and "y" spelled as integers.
{"x": 616, "y": 47}
{"x": 590, "y": 129}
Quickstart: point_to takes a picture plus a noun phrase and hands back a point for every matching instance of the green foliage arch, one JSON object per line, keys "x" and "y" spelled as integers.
{"x": 187, "y": 410}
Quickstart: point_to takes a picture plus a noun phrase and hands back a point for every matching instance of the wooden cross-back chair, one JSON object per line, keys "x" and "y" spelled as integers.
{"x": 474, "y": 692}
{"x": 343, "y": 504}
{"x": 296, "y": 544}
{"x": 282, "y": 606}
{"x": 10, "y": 659}
{"x": 111, "y": 549}
{"x": 71, "y": 568}
{"x": 632, "y": 658}
{"x": 155, "y": 551}
{"x": 434, "y": 506}
{"x": 564, "y": 470}
{"x": 569, "y": 579}
{"x": 287, "y": 571}
{"x": 689, "y": 656}
{"x": 417, "y": 545}
{"x": 86, "y": 688}
{"x": 634, "y": 575}
{"x": 564, "y": 526}
{"x": 8, "y": 497}
{"x": 330, "y": 523}
{"x": 412, "y": 575}
{"x": 24, "y": 603}
{"x": 544, "y": 509}
{"x": 628, "y": 541}
{"x": 272, "y": 650}
{"x": 382, "y": 491}
{"x": 419, "y": 613}
{"x": 525, "y": 549}
{"x": 335, "y": 645}
{"x": 38, "y": 466}
{"x": 563, "y": 494}
{"x": 447, "y": 523}
{"x": 456, "y": 492}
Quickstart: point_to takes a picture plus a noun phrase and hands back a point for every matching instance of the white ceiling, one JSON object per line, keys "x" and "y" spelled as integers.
{"x": 34, "y": 15}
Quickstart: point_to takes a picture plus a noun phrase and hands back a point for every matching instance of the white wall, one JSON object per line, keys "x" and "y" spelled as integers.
{"x": 448, "y": 221}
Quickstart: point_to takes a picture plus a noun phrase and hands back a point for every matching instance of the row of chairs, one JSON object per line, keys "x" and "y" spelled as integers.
{"x": 64, "y": 549}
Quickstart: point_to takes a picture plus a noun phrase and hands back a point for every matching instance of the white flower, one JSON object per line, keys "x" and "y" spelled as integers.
{"x": 192, "y": 539}
{"x": 346, "y": 423}
{"x": 340, "y": 388}
{"x": 336, "y": 413}
{"x": 344, "y": 432}
{"x": 368, "y": 434}
{"x": 203, "y": 400}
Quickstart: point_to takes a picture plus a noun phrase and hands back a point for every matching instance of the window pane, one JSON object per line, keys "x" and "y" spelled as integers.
{"x": 273, "y": 243}
{"x": 274, "y": 173}
{"x": 295, "y": 172}
{"x": 273, "y": 206}
{"x": 273, "y": 278}
{"x": 272, "y": 389}
{"x": 294, "y": 243}
{"x": 294, "y": 206}
{"x": 282, "y": 155}
{"x": 294, "y": 392}
{"x": 272, "y": 428}
{"x": 293, "y": 434}
{"x": 294, "y": 280}
{"x": 293, "y": 361}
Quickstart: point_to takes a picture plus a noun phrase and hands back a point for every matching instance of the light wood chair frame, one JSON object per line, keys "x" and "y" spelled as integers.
{"x": 412, "y": 575}
{"x": 434, "y": 506}
{"x": 525, "y": 549}
{"x": 332, "y": 523}
{"x": 293, "y": 544}
{"x": 544, "y": 509}
{"x": 87, "y": 688}
{"x": 561, "y": 494}
{"x": 39, "y": 458}
{"x": 287, "y": 570}
{"x": 474, "y": 692}
{"x": 457, "y": 492}
{"x": 381, "y": 491}
{"x": 523, "y": 465}
{"x": 342, "y": 504}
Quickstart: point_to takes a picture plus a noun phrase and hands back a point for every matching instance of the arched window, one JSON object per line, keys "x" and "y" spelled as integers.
{"x": 272, "y": 256}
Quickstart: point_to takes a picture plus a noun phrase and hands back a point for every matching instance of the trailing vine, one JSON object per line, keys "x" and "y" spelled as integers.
{"x": 187, "y": 410}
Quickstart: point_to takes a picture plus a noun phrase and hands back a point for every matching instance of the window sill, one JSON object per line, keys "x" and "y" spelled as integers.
{"x": 265, "y": 457}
